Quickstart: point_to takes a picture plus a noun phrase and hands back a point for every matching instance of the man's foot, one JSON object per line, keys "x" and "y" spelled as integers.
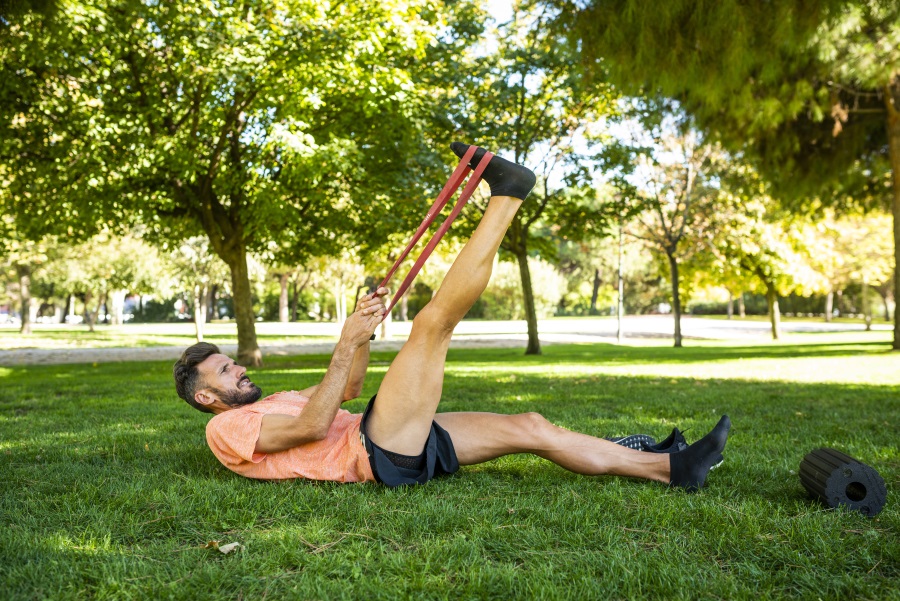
{"x": 634, "y": 441}
{"x": 691, "y": 466}
{"x": 504, "y": 177}
{"x": 674, "y": 443}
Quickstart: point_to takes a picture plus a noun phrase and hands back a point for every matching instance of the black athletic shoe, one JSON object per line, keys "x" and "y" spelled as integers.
{"x": 634, "y": 441}
{"x": 691, "y": 466}
{"x": 674, "y": 443}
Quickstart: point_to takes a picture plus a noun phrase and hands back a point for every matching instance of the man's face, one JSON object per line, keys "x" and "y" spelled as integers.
{"x": 228, "y": 381}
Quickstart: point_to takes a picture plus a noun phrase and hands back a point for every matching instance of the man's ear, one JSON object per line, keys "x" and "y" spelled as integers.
{"x": 205, "y": 397}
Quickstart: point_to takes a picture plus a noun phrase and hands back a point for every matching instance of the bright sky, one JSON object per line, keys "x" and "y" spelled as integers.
{"x": 501, "y": 10}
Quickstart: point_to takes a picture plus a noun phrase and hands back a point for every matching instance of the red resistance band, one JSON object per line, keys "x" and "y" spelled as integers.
{"x": 450, "y": 188}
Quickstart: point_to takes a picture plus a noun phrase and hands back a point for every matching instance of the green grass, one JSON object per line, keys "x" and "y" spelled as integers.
{"x": 109, "y": 491}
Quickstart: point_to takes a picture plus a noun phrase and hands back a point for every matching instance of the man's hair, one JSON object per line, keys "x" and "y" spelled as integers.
{"x": 187, "y": 377}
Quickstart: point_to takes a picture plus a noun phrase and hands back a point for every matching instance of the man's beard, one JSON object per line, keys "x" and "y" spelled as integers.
{"x": 239, "y": 398}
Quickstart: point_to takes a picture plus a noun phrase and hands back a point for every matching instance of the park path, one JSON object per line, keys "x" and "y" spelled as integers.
{"x": 469, "y": 334}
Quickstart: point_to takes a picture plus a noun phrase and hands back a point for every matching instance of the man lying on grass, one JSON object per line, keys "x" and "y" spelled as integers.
{"x": 400, "y": 439}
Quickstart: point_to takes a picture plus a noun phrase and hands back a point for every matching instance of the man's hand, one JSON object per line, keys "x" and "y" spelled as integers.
{"x": 370, "y": 311}
{"x": 371, "y": 302}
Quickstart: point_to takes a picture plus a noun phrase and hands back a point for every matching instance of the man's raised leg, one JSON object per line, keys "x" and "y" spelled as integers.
{"x": 408, "y": 396}
{"x": 400, "y": 420}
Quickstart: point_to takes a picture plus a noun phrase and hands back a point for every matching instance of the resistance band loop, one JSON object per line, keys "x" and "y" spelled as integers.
{"x": 450, "y": 188}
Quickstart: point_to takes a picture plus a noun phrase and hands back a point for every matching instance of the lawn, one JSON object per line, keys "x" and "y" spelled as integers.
{"x": 109, "y": 491}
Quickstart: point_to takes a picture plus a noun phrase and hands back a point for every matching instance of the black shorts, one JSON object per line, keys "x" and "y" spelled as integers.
{"x": 440, "y": 457}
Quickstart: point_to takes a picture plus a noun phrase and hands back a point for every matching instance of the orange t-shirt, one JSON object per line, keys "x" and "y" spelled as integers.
{"x": 340, "y": 456}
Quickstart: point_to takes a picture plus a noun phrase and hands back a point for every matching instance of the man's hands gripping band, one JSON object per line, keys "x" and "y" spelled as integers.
{"x": 370, "y": 311}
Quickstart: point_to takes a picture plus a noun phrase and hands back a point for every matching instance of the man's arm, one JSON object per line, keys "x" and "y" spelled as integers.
{"x": 369, "y": 303}
{"x": 281, "y": 432}
{"x": 357, "y": 373}
{"x": 373, "y": 302}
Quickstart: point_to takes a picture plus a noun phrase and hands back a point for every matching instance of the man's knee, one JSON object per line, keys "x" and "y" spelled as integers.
{"x": 534, "y": 425}
{"x": 430, "y": 322}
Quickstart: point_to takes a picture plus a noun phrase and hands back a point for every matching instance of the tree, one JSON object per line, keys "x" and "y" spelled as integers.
{"x": 667, "y": 170}
{"x": 810, "y": 89}
{"x": 12, "y": 8}
{"x": 757, "y": 242}
{"x": 195, "y": 268}
{"x": 259, "y": 124}
{"x": 861, "y": 241}
{"x": 529, "y": 97}
{"x": 96, "y": 269}
{"x": 24, "y": 258}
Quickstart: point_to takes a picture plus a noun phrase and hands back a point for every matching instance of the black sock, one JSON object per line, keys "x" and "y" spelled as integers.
{"x": 505, "y": 178}
{"x": 690, "y": 467}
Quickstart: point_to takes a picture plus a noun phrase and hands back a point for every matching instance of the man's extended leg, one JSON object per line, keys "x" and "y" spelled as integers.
{"x": 480, "y": 437}
{"x": 401, "y": 419}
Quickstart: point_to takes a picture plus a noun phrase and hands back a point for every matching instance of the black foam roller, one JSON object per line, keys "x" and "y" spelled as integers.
{"x": 838, "y": 479}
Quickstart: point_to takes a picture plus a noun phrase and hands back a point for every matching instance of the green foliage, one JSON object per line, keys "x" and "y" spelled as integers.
{"x": 502, "y": 299}
{"x": 529, "y": 100}
{"x": 798, "y": 85}
{"x": 285, "y": 128}
{"x": 525, "y": 97}
{"x": 108, "y": 263}
{"x": 757, "y": 245}
{"x": 277, "y": 118}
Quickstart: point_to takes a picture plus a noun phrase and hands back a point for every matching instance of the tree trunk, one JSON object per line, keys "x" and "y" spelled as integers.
{"x": 88, "y": 317}
{"x": 534, "y": 343}
{"x": 829, "y": 305}
{"x": 620, "y": 288}
{"x": 730, "y": 308}
{"x": 774, "y": 311}
{"x": 595, "y": 292}
{"x": 742, "y": 309}
{"x": 69, "y": 309}
{"x": 676, "y": 299}
{"x": 892, "y": 103}
{"x": 91, "y": 315}
{"x": 867, "y": 313}
{"x": 211, "y": 302}
{"x": 295, "y": 302}
{"x": 199, "y": 311}
{"x": 248, "y": 352}
{"x": 24, "y": 273}
{"x": 283, "y": 298}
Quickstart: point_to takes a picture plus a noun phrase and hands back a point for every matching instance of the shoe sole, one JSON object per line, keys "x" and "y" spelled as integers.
{"x": 634, "y": 441}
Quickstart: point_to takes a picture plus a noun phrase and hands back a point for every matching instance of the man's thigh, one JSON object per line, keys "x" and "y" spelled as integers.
{"x": 409, "y": 395}
{"x": 479, "y": 437}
